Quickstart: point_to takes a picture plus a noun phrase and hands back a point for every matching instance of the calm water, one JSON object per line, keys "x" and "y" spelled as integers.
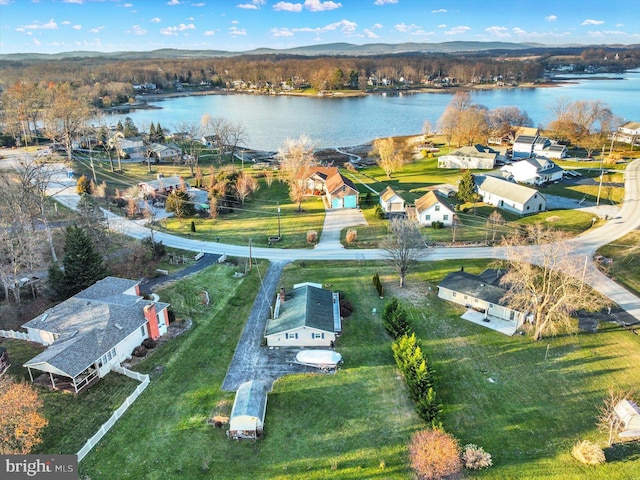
{"x": 270, "y": 120}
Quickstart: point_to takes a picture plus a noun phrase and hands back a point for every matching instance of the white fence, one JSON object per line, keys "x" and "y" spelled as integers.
{"x": 144, "y": 379}
{"x": 14, "y": 334}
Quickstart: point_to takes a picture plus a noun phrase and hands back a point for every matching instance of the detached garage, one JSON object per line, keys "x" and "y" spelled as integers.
{"x": 341, "y": 192}
{"x": 249, "y": 408}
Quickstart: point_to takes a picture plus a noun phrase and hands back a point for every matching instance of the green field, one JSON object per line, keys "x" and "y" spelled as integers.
{"x": 356, "y": 423}
{"x": 626, "y": 261}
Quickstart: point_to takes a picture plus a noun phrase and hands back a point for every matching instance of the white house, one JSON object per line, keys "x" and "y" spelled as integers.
{"x": 391, "y": 202}
{"x": 307, "y": 316}
{"x": 629, "y": 133}
{"x": 165, "y": 152}
{"x": 523, "y": 146}
{"x": 434, "y": 207}
{"x": 482, "y": 293}
{"x": 510, "y": 196}
{"x": 339, "y": 191}
{"x": 534, "y": 171}
{"x": 248, "y": 412}
{"x": 94, "y": 330}
{"x": 467, "y": 158}
{"x": 162, "y": 185}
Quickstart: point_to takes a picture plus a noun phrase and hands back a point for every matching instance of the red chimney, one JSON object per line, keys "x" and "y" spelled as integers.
{"x": 152, "y": 321}
{"x": 281, "y": 294}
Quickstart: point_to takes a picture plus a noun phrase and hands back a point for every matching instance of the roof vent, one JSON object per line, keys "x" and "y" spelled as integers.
{"x": 44, "y": 317}
{"x": 118, "y": 326}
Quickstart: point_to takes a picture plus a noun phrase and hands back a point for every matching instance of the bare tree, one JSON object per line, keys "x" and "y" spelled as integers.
{"x": 193, "y": 131}
{"x": 404, "y": 246}
{"x": 502, "y": 121}
{"x": 473, "y": 125}
{"x": 296, "y": 158}
{"x": 547, "y": 281}
{"x": 493, "y": 221}
{"x": 246, "y": 184}
{"x": 585, "y": 123}
{"x": 389, "y": 158}
{"x": 65, "y": 114}
{"x": 608, "y": 420}
{"x": 450, "y": 119}
{"x": 228, "y": 135}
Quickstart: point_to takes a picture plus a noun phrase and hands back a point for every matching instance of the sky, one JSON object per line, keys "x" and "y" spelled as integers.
{"x": 52, "y": 26}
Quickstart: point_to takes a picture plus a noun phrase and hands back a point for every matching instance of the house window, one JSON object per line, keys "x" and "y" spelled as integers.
{"x": 465, "y": 297}
{"x": 437, "y": 208}
{"x": 454, "y": 294}
{"x": 445, "y": 217}
{"x": 291, "y": 336}
{"x": 317, "y": 335}
{"x": 427, "y": 217}
{"x": 142, "y": 330}
{"x": 527, "y": 207}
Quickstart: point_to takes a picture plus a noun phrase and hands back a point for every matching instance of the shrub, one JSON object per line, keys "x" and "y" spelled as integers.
{"x": 346, "y": 308}
{"x": 396, "y": 319}
{"x": 368, "y": 199}
{"x": 588, "y": 453}
{"x": 434, "y": 454}
{"x": 475, "y": 458}
{"x": 149, "y": 343}
{"x": 379, "y": 212}
{"x": 352, "y": 235}
{"x": 139, "y": 351}
{"x": 436, "y": 224}
{"x": 312, "y": 236}
{"x": 378, "y": 284}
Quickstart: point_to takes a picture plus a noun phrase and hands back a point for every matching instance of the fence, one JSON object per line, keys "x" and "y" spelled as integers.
{"x": 92, "y": 442}
{"x": 14, "y": 334}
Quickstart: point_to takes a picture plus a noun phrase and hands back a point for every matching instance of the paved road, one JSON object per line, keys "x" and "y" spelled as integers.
{"x": 584, "y": 245}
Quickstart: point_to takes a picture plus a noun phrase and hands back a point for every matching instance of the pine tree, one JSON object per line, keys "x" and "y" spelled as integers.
{"x": 152, "y": 132}
{"x": 83, "y": 265}
{"x": 467, "y": 187}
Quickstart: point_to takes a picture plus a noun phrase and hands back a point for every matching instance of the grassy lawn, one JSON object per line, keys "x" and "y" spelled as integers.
{"x": 72, "y": 419}
{"x": 258, "y": 220}
{"x": 354, "y": 424}
{"x": 357, "y": 423}
{"x": 626, "y": 261}
{"x": 610, "y": 193}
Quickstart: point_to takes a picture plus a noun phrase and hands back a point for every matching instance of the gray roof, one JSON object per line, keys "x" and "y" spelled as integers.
{"x": 164, "y": 182}
{"x": 528, "y": 139}
{"x": 475, "y": 286}
{"x": 305, "y": 306}
{"x": 475, "y": 151}
{"x": 505, "y": 189}
{"x": 251, "y": 400}
{"x": 90, "y": 324}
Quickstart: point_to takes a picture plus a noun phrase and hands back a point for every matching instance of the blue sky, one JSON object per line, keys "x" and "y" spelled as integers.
{"x": 50, "y": 26}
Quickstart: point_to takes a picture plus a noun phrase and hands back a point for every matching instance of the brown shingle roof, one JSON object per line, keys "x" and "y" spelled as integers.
{"x": 429, "y": 199}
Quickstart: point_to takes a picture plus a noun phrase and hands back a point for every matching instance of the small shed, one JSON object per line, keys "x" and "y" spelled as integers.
{"x": 249, "y": 408}
{"x": 628, "y": 414}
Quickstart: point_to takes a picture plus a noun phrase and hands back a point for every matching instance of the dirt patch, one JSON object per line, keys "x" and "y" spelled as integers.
{"x": 553, "y": 218}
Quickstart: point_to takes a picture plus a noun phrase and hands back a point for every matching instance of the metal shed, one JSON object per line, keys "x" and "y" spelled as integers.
{"x": 249, "y": 407}
{"x": 628, "y": 414}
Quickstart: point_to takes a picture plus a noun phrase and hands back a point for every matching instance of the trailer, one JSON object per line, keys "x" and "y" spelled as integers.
{"x": 325, "y": 360}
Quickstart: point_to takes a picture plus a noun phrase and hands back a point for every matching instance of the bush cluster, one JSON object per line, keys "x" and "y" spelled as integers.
{"x": 139, "y": 351}
{"x": 312, "y": 236}
{"x": 475, "y": 458}
{"x": 434, "y": 454}
{"x": 352, "y": 235}
{"x": 346, "y": 308}
{"x": 395, "y": 319}
{"x": 149, "y": 343}
{"x": 419, "y": 377}
{"x": 379, "y": 212}
{"x": 588, "y": 453}
{"x": 437, "y": 225}
{"x": 378, "y": 284}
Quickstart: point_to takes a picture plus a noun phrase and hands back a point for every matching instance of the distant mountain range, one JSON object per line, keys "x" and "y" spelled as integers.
{"x": 330, "y": 49}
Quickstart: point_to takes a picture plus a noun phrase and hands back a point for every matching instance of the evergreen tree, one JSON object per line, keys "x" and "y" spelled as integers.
{"x": 83, "y": 265}
{"x": 152, "y": 133}
{"x": 129, "y": 129}
{"x": 180, "y": 204}
{"x": 467, "y": 187}
{"x": 120, "y": 127}
{"x": 159, "y": 133}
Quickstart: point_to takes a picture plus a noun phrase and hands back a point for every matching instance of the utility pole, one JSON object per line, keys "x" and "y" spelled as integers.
{"x": 250, "y": 259}
{"x": 601, "y": 175}
{"x": 278, "y": 220}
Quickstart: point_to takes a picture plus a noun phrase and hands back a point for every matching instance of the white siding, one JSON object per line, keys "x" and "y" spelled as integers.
{"x": 306, "y": 337}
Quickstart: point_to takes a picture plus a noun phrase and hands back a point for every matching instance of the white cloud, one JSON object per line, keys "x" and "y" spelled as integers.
{"x": 440, "y": 10}
{"x": 174, "y": 31}
{"x": 318, "y": 6}
{"x": 96, "y": 30}
{"x": 619, "y": 25}
{"x": 370, "y": 33}
{"x": 551, "y": 18}
{"x": 209, "y": 33}
{"x": 384, "y": 2}
{"x": 592, "y": 22}
{"x": 253, "y": 5}
{"x": 376, "y": 25}
{"x": 50, "y": 25}
{"x": 201, "y": 4}
{"x": 404, "y": 28}
{"x": 66, "y": 22}
{"x": 458, "y": 30}
{"x": 498, "y": 31}
{"x": 190, "y": 19}
{"x": 173, "y": 2}
{"x": 442, "y": 25}
{"x": 281, "y": 32}
{"x": 606, "y": 33}
{"x": 127, "y": 5}
{"x": 137, "y": 30}
{"x": 36, "y": 42}
{"x": 77, "y": 27}
{"x": 155, "y": 20}
{"x": 78, "y": 2}
{"x": 235, "y": 31}
{"x": 287, "y": 7}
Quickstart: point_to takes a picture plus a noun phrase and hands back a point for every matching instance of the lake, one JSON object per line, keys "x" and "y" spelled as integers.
{"x": 330, "y": 122}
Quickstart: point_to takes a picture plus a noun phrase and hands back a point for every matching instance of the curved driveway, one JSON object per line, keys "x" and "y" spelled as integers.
{"x": 583, "y": 245}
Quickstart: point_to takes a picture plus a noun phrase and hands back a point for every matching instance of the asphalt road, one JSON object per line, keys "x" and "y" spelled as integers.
{"x": 583, "y": 246}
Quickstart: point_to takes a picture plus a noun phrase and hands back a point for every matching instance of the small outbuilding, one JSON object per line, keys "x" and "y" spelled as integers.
{"x": 628, "y": 414}
{"x": 249, "y": 408}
